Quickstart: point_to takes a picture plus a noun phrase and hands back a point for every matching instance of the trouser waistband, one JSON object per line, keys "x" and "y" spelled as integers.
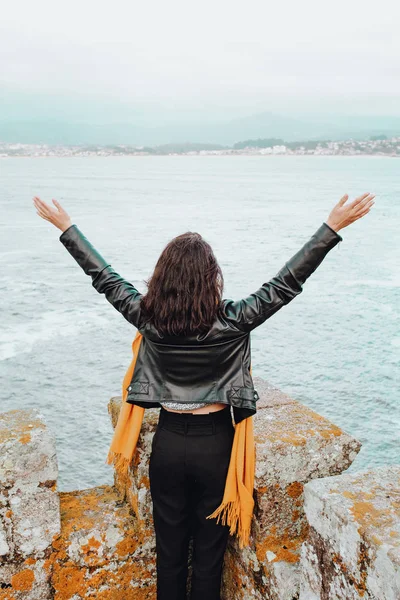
{"x": 192, "y": 422}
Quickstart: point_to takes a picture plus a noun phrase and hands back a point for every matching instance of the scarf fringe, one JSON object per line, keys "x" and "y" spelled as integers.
{"x": 229, "y": 513}
{"x": 120, "y": 462}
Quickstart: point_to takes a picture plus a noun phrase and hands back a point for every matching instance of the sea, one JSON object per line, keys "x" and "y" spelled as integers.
{"x": 335, "y": 348}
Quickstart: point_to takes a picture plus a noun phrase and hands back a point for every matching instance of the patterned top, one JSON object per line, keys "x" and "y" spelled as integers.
{"x": 183, "y": 406}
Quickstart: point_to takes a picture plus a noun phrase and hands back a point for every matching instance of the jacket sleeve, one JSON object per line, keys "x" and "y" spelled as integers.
{"x": 119, "y": 292}
{"x": 250, "y": 312}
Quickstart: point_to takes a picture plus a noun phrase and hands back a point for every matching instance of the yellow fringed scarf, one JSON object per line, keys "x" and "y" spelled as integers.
{"x": 236, "y": 509}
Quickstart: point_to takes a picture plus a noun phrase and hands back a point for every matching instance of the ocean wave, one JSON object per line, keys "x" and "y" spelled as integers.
{"x": 20, "y": 338}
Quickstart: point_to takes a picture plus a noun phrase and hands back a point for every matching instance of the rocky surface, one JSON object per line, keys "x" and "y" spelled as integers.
{"x": 317, "y": 533}
{"x": 293, "y": 445}
{"x": 100, "y": 553}
{"x": 353, "y": 547}
{"x": 29, "y": 505}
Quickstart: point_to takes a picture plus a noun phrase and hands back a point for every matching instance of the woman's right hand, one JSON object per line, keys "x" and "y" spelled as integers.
{"x": 59, "y": 218}
{"x": 344, "y": 214}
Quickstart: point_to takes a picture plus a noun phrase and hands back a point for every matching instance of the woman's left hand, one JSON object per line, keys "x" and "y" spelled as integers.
{"x": 57, "y": 216}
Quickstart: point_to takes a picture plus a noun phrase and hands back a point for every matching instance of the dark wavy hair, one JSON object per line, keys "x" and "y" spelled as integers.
{"x": 185, "y": 289}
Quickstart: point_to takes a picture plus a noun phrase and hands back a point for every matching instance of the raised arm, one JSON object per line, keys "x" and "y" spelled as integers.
{"x": 252, "y": 311}
{"x": 119, "y": 292}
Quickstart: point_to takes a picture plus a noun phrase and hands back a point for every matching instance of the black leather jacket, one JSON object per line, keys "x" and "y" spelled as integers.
{"x": 211, "y": 367}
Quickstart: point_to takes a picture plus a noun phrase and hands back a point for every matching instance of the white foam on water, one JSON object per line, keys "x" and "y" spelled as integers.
{"x": 21, "y": 337}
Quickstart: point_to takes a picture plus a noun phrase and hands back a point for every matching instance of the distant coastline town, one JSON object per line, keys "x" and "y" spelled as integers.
{"x": 375, "y": 145}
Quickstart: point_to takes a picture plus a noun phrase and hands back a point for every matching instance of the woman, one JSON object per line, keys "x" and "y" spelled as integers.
{"x": 194, "y": 363}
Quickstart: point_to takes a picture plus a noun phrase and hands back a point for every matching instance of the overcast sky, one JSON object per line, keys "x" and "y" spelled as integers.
{"x": 215, "y": 56}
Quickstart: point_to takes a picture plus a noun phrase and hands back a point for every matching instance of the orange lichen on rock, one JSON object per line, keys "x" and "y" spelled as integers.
{"x": 106, "y": 583}
{"x": 136, "y": 458}
{"x": 295, "y": 439}
{"x": 128, "y": 488}
{"x": 127, "y": 546}
{"x": 234, "y": 586}
{"x": 17, "y": 423}
{"x": 259, "y": 439}
{"x": 133, "y": 501}
{"x": 295, "y": 515}
{"x": 24, "y": 439}
{"x": 376, "y": 540}
{"x": 92, "y": 544}
{"x": 295, "y": 424}
{"x": 295, "y": 489}
{"x": 7, "y": 595}
{"x": 68, "y": 580}
{"x": 76, "y": 510}
{"x": 23, "y": 580}
{"x": 58, "y": 544}
{"x": 363, "y": 560}
{"x": 359, "y": 495}
{"x": 333, "y": 430}
{"x": 336, "y": 558}
{"x": 318, "y": 417}
{"x": 91, "y": 551}
{"x": 142, "y": 531}
{"x": 359, "y": 585}
{"x": 93, "y": 555}
{"x": 285, "y": 546}
{"x": 48, "y": 563}
{"x": 365, "y": 513}
{"x": 144, "y": 481}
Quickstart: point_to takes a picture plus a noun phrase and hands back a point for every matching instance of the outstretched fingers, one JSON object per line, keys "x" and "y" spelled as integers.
{"x": 41, "y": 205}
{"x": 360, "y": 200}
{"x": 361, "y": 214}
{"x": 365, "y": 210}
{"x": 367, "y": 202}
{"x": 43, "y": 210}
{"x": 57, "y": 204}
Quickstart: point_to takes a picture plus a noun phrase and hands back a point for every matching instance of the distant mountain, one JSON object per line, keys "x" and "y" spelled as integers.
{"x": 262, "y": 125}
{"x": 362, "y": 127}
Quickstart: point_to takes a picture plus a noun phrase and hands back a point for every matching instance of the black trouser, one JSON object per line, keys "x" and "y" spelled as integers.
{"x": 188, "y": 467}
